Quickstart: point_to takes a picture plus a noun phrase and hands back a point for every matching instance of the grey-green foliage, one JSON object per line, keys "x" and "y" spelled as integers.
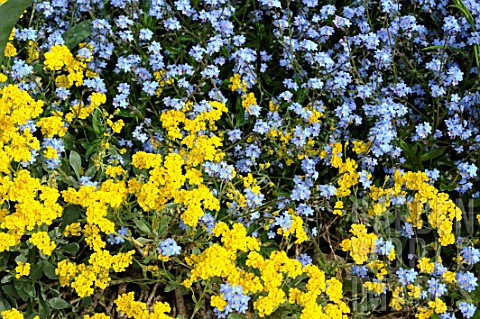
{"x": 10, "y": 12}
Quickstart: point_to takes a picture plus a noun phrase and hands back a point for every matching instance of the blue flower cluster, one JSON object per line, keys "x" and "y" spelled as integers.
{"x": 236, "y": 300}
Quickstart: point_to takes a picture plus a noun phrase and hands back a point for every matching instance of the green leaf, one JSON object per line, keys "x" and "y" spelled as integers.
{"x": 48, "y": 269}
{"x": 20, "y": 288}
{"x": 86, "y": 302}
{"x": 433, "y": 47}
{"x": 126, "y": 113}
{"x": 301, "y": 95}
{"x": 58, "y": 303}
{"x": 43, "y": 307}
{"x": 36, "y": 272}
{"x": 10, "y": 291}
{"x": 90, "y": 172}
{"x": 170, "y": 287}
{"x": 92, "y": 147}
{"x": 29, "y": 289}
{"x": 6, "y": 279}
{"x": 71, "y": 214}
{"x": 445, "y": 187}
{"x": 71, "y": 248}
{"x": 21, "y": 258}
{"x": 142, "y": 226}
{"x": 143, "y": 241}
{"x": 75, "y": 163}
{"x": 77, "y": 34}
{"x": 474, "y": 203}
{"x": 98, "y": 127}
{"x": 10, "y": 12}
{"x": 434, "y": 153}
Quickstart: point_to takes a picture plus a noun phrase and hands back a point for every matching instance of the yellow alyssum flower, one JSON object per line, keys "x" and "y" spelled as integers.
{"x": 142, "y": 160}
{"x": 237, "y": 83}
{"x": 85, "y": 277}
{"x": 337, "y": 208}
{"x": 248, "y": 100}
{"x": 334, "y": 290}
{"x": 361, "y": 244}
{"x": 114, "y": 171}
{"x": 22, "y": 269}
{"x": 450, "y": 277}
{"x": 116, "y": 126}
{"x": 296, "y": 228}
{"x": 10, "y": 50}
{"x": 73, "y": 229}
{"x": 43, "y": 242}
{"x": 65, "y": 271}
{"x": 414, "y": 291}
{"x": 425, "y": 266}
{"x": 377, "y": 287}
{"x": 57, "y": 57}
{"x": 13, "y": 314}
{"x": 138, "y": 310}
{"x": 219, "y": 302}
{"x": 52, "y": 125}
{"x": 438, "y": 305}
{"x": 397, "y": 300}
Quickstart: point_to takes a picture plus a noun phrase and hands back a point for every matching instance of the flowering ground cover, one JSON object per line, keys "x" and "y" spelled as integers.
{"x": 239, "y": 159}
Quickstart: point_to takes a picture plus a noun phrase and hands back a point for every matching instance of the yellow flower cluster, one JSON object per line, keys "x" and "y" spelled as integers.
{"x": 22, "y": 269}
{"x": 272, "y": 272}
{"x": 97, "y": 201}
{"x": 43, "y": 242}
{"x": 442, "y": 211}
{"x": 36, "y": 205}
{"x": 237, "y": 83}
{"x": 200, "y": 147}
{"x": 194, "y": 199}
{"x": 219, "y": 302}
{"x": 116, "y": 126}
{"x": 361, "y": 244}
{"x": 248, "y": 100}
{"x": 218, "y": 260}
{"x": 296, "y": 228}
{"x": 378, "y": 267}
{"x": 81, "y": 111}
{"x": 360, "y": 147}
{"x": 138, "y": 310}
{"x": 10, "y": 50}
{"x": 16, "y": 107}
{"x": 166, "y": 182}
{"x": 162, "y": 79}
{"x": 13, "y": 314}
{"x": 163, "y": 182}
{"x": 144, "y": 160}
{"x": 171, "y": 121}
{"x": 204, "y": 148}
{"x": 59, "y": 58}
{"x": 375, "y": 286}
{"x": 52, "y": 125}
{"x": 115, "y": 171}
{"x": 73, "y": 229}
{"x": 83, "y": 278}
{"x": 317, "y": 285}
{"x": 397, "y": 300}
{"x": 348, "y": 169}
